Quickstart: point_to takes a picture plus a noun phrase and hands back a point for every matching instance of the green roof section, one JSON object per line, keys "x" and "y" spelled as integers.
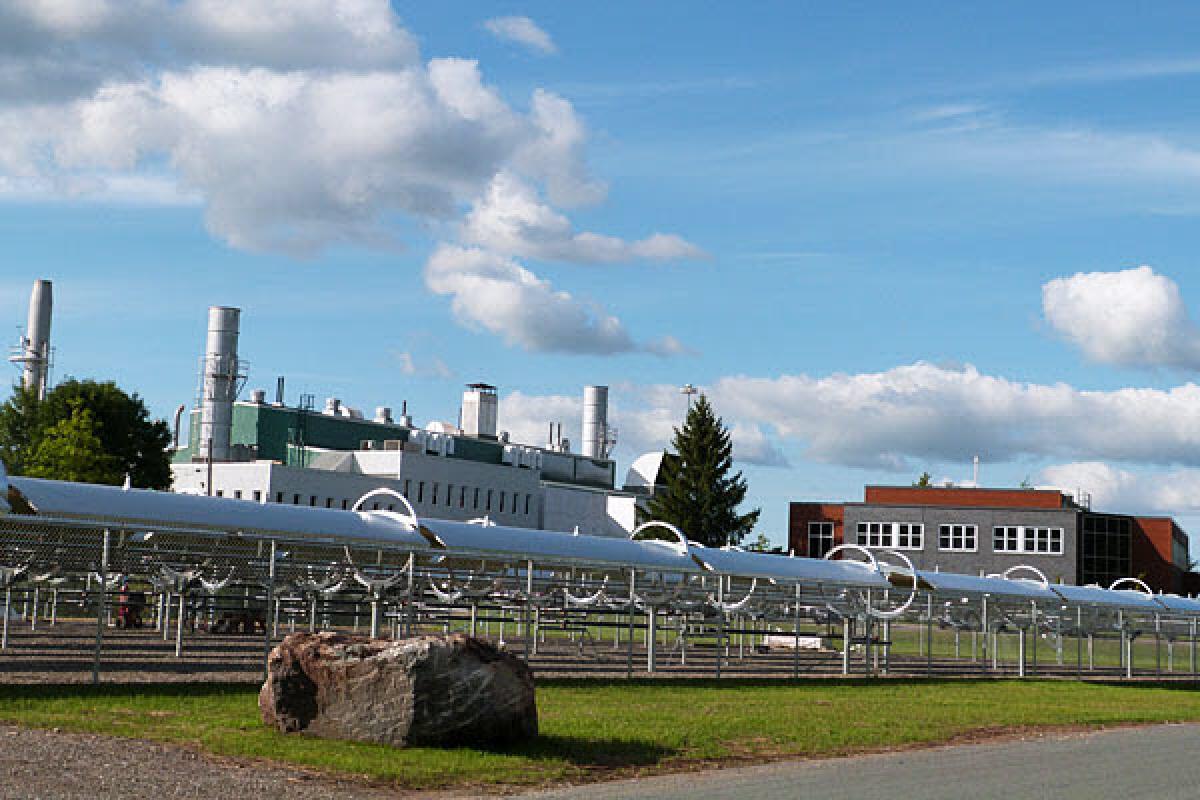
{"x": 284, "y": 434}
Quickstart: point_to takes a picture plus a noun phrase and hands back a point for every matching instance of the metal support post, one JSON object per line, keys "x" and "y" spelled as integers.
{"x": 1020, "y": 652}
{"x": 845, "y": 645}
{"x": 179, "y": 625}
{"x": 720, "y": 622}
{"x": 1079, "y": 641}
{"x": 268, "y": 602}
{"x": 1157, "y": 648}
{"x": 54, "y": 607}
{"x": 33, "y": 618}
{"x": 100, "y": 608}
{"x": 530, "y": 640}
{"x": 796, "y": 634}
{"x": 629, "y": 643}
{"x": 983, "y": 629}
{"x": 651, "y": 636}
{"x": 929, "y": 634}
{"x": 1033, "y": 633}
{"x": 7, "y": 611}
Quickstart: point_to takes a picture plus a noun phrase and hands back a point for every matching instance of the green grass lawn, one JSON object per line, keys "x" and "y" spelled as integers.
{"x": 594, "y": 729}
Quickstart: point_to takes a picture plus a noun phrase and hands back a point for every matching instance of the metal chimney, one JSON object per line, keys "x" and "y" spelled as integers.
{"x": 220, "y": 383}
{"x": 34, "y": 351}
{"x": 595, "y": 421}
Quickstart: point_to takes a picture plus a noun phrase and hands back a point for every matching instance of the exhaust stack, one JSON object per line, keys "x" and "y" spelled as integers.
{"x": 221, "y": 377}
{"x": 33, "y": 353}
{"x": 595, "y": 421}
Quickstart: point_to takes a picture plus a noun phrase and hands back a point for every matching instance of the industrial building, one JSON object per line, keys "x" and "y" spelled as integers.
{"x": 272, "y": 452}
{"x": 986, "y": 531}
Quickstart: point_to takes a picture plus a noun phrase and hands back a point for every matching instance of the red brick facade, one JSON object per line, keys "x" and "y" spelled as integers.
{"x": 800, "y": 514}
{"x": 962, "y": 497}
{"x": 1154, "y": 545}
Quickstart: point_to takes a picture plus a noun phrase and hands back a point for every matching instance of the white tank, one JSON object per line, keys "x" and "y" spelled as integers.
{"x": 36, "y": 345}
{"x": 595, "y": 421}
{"x": 220, "y": 387}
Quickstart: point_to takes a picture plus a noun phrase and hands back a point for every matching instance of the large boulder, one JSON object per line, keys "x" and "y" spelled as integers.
{"x": 425, "y": 690}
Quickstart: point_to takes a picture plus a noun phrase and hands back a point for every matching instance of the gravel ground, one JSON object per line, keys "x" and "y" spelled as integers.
{"x": 46, "y": 764}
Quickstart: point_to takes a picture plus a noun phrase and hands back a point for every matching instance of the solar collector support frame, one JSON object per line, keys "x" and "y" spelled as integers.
{"x": 720, "y": 604}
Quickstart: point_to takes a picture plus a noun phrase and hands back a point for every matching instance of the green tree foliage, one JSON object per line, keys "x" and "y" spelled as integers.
{"x": 121, "y": 422}
{"x": 924, "y": 480}
{"x": 700, "y": 497}
{"x": 71, "y": 450}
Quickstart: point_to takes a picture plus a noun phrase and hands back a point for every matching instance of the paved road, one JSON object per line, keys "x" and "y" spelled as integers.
{"x": 1158, "y": 762}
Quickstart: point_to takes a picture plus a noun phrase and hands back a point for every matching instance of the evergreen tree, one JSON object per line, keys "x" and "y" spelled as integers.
{"x": 923, "y": 481}
{"x": 700, "y": 497}
{"x": 120, "y": 421}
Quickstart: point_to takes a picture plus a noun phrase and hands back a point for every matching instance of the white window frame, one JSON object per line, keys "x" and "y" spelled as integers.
{"x": 819, "y": 530}
{"x": 890, "y": 535}
{"x": 1029, "y": 539}
{"x": 963, "y": 532}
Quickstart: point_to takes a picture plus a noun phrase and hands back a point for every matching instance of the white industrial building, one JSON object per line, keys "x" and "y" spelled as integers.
{"x": 275, "y": 453}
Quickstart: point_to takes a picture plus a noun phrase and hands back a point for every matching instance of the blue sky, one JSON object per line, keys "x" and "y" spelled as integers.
{"x": 883, "y": 239}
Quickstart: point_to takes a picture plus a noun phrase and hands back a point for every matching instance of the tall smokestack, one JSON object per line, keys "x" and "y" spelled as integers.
{"x": 220, "y": 383}
{"x": 35, "y": 345}
{"x": 595, "y": 421}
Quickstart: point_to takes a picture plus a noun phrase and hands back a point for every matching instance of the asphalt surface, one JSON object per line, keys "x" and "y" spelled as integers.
{"x": 1158, "y": 762}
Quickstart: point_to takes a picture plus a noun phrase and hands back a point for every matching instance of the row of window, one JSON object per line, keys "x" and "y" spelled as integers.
{"x": 951, "y": 538}
{"x": 485, "y": 500}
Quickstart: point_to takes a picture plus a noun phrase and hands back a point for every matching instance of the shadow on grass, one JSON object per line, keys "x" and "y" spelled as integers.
{"x": 586, "y": 751}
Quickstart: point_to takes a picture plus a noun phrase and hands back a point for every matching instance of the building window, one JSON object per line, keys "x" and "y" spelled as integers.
{"x": 279, "y": 497}
{"x": 329, "y": 502}
{"x": 820, "y": 538}
{"x": 909, "y": 535}
{"x": 312, "y": 500}
{"x": 961, "y": 538}
{"x": 489, "y": 500}
{"x": 408, "y": 488}
{"x": 449, "y": 494}
{"x": 433, "y": 497}
{"x": 502, "y": 502}
{"x": 1014, "y": 539}
{"x": 295, "y": 499}
{"x": 257, "y": 496}
{"x": 476, "y": 506}
{"x": 462, "y": 497}
{"x": 897, "y": 535}
{"x": 421, "y": 491}
{"x": 1105, "y": 548}
{"x": 220, "y": 492}
{"x": 527, "y": 504}
{"x": 345, "y": 505}
{"x": 237, "y": 494}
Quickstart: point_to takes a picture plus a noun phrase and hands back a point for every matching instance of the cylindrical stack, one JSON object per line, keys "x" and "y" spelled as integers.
{"x": 595, "y": 421}
{"x": 37, "y": 338}
{"x": 220, "y": 382}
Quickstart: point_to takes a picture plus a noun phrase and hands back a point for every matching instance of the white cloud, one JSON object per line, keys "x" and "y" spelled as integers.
{"x": 501, "y": 296}
{"x": 644, "y": 417}
{"x": 751, "y": 445}
{"x": 1172, "y": 492}
{"x": 430, "y": 367}
{"x": 511, "y": 219}
{"x": 1134, "y": 317}
{"x": 300, "y": 124}
{"x": 523, "y": 31}
{"x": 921, "y": 412}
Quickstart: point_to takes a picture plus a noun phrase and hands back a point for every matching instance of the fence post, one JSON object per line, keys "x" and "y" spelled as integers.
{"x": 101, "y": 608}
{"x": 268, "y": 603}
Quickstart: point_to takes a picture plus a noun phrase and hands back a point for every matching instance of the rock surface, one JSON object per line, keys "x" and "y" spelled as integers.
{"x": 426, "y": 690}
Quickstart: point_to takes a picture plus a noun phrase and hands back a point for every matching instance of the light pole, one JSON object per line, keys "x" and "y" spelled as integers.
{"x": 689, "y": 390}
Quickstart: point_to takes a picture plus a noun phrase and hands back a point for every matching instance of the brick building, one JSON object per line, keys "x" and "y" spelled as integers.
{"x": 975, "y": 530}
